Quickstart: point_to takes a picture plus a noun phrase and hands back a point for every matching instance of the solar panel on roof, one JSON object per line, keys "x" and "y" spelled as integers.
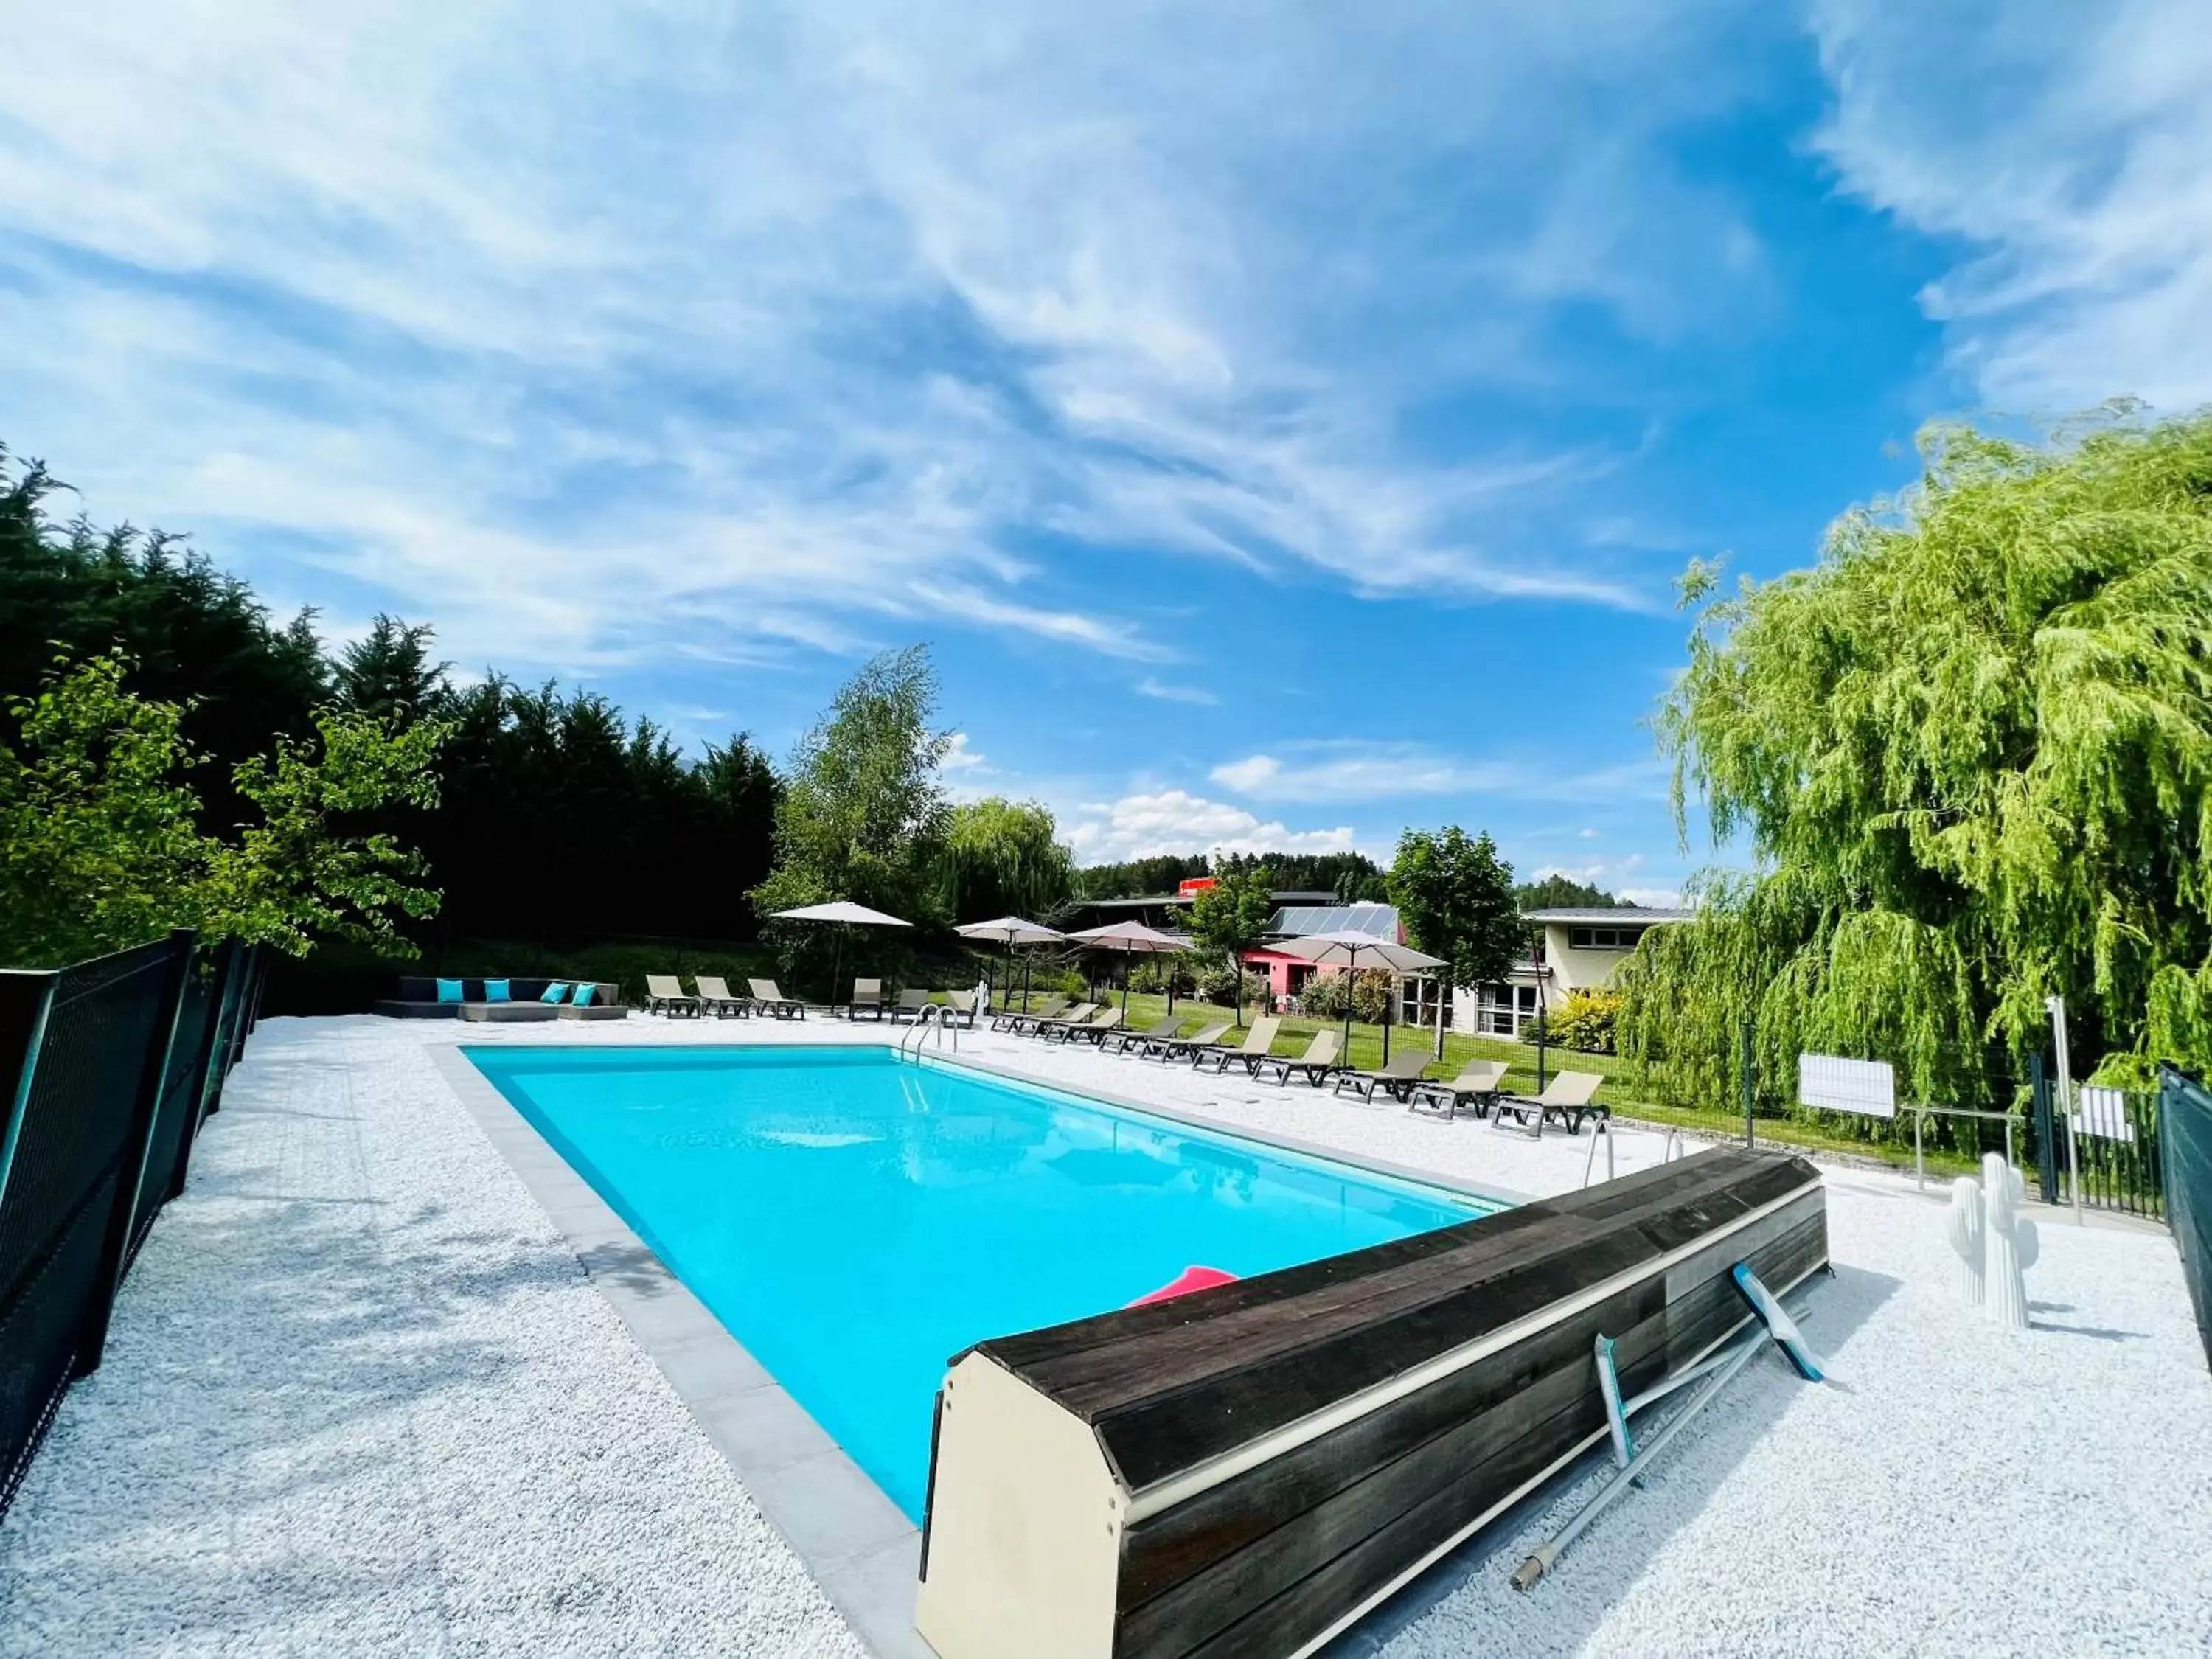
{"x": 1379, "y": 919}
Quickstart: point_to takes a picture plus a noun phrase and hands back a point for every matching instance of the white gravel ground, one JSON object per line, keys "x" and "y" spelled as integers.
{"x": 359, "y": 1400}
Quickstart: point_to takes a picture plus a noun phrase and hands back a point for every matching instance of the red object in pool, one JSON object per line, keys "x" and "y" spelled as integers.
{"x": 1189, "y": 1280}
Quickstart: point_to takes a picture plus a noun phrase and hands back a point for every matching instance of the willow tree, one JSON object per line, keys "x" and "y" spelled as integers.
{"x": 1969, "y": 752}
{"x": 1003, "y": 857}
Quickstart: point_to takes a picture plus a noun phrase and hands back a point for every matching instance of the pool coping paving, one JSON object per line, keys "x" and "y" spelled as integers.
{"x": 857, "y": 1543}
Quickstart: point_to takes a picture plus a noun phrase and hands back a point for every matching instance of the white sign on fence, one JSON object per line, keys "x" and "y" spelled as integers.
{"x": 2104, "y": 1114}
{"x": 1865, "y": 1087}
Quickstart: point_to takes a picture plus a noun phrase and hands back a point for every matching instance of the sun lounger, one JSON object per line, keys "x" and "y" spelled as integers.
{"x": 716, "y": 995}
{"x": 1124, "y": 1040}
{"x": 1091, "y": 1031}
{"x": 909, "y": 1005}
{"x": 1566, "y": 1099}
{"x": 962, "y": 1005}
{"x": 1016, "y": 1019}
{"x": 1045, "y": 1028}
{"x": 1178, "y": 1047}
{"x": 664, "y": 994}
{"x": 1476, "y": 1086}
{"x": 1257, "y": 1042}
{"x": 1320, "y": 1060}
{"x": 769, "y": 999}
{"x": 1395, "y": 1077}
{"x": 867, "y": 998}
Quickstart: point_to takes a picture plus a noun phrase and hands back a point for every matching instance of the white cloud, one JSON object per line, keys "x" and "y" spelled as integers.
{"x": 1342, "y": 770}
{"x": 959, "y": 756}
{"x": 1176, "y": 821}
{"x": 1165, "y": 693}
{"x": 798, "y": 351}
{"x": 1586, "y": 834}
{"x": 1652, "y": 898}
{"x": 2070, "y": 150}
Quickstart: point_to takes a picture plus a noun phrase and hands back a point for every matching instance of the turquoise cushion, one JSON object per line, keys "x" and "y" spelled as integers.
{"x": 449, "y": 990}
{"x": 556, "y": 992}
{"x": 583, "y": 997}
{"x": 495, "y": 991}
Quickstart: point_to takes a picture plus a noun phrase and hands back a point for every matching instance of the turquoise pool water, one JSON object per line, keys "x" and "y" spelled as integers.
{"x": 855, "y": 1221}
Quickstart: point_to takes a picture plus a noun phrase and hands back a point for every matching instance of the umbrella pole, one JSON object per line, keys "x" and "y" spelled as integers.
{"x": 836, "y": 963}
{"x": 1128, "y": 957}
{"x": 1388, "y": 996}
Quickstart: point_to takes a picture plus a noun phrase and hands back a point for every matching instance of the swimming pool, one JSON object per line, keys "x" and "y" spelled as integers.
{"x": 855, "y": 1220}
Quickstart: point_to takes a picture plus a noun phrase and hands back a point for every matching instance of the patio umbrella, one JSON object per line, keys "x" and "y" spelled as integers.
{"x": 1352, "y": 951}
{"x": 839, "y": 913}
{"x": 1010, "y": 931}
{"x": 1129, "y": 937}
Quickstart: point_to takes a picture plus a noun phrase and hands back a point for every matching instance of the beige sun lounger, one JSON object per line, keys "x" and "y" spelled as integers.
{"x": 868, "y": 994}
{"x": 910, "y": 1004}
{"x": 1567, "y": 1099}
{"x": 664, "y": 994}
{"x": 767, "y": 997}
{"x": 1175, "y": 1048}
{"x": 1477, "y": 1086}
{"x": 1093, "y": 1030}
{"x": 1395, "y": 1077}
{"x": 1127, "y": 1039}
{"x": 1046, "y": 1027}
{"x": 1319, "y": 1060}
{"x": 1257, "y": 1042}
{"x": 716, "y": 995}
{"x": 1014, "y": 1020}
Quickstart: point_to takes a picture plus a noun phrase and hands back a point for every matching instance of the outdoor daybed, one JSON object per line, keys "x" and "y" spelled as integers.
{"x": 417, "y": 999}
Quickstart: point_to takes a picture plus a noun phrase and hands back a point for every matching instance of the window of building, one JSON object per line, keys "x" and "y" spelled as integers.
{"x": 1604, "y": 939}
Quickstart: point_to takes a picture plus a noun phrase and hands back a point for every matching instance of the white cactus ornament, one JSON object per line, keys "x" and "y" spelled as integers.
{"x": 1995, "y": 1243}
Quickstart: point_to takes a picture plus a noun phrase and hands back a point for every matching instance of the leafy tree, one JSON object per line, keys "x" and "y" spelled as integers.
{"x": 1231, "y": 917}
{"x": 1003, "y": 857}
{"x": 100, "y": 847}
{"x": 185, "y": 632}
{"x": 1140, "y": 877}
{"x": 863, "y": 815}
{"x": 1455, "y": 897}
{"x": 388, "y": 672}
{"x": 1970, "y": 751}
{"x": 1558, "y": 892}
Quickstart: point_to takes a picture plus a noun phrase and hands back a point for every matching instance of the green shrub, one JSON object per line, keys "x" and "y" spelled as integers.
{"x": 1586, "y": 1022}
{"x": 1369, "y": 992}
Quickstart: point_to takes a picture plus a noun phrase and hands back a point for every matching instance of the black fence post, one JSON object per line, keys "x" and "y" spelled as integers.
{"x": 226, "y": 1010}
{"x": 115, "y": 1245}
{"x": 2046, "y": 1129}
{"x": 26, "y": 997}
{"x": 1743, "y": 1065}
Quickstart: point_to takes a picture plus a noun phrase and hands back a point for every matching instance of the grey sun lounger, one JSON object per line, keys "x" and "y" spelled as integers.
{"x": 867, "y": 996}
{"x": 1476, "y": 1086}
{"x": 1257, "y": 1042}
{"x": 1567, "y": 1100}
{"x": 910, "y": 1004}
{"x": 768, "y": 997}
{"x": 962, "y": 1006}
{"x": 1014, "y": 1020}
{"x": 664, "y": 994}
{"x": 1320, "y": 1060}
{"x": 1395, "y": 1077}
{"x": 1176, "y": 1047}
{"x": 717, "y": 995}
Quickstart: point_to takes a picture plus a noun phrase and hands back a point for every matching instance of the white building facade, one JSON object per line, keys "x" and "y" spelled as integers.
{"x": 1580, "y": 951}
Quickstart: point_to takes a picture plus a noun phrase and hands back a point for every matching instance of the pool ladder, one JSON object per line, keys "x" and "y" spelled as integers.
{"x": 935, "y": 1016}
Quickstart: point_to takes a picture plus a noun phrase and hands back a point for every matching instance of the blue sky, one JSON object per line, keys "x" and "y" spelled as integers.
{"x": 1284, "y": 422}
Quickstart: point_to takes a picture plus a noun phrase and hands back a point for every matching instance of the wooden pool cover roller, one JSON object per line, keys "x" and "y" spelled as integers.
{"x": 1246, "y": 1471}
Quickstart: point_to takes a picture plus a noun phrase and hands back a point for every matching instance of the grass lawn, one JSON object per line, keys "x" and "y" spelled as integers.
{"x": 1619, "y": 1091}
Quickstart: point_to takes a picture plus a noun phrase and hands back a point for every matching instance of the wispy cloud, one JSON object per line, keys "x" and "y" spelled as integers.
{"x": 2068, "y": 150}
{"x": 1350, "y": 770}
{"x": 1149, "y": 687}
{"x": 806, "y": 349}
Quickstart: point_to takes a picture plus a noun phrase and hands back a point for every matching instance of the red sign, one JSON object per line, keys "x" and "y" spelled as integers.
{"x": 1195, "y": 884}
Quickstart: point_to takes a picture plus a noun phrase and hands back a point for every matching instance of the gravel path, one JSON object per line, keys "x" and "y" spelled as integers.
{"x": 359, "y": 1400}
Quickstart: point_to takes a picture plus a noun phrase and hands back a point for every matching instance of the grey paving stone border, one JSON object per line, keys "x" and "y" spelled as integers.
{"x": 858, "y": 1544}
